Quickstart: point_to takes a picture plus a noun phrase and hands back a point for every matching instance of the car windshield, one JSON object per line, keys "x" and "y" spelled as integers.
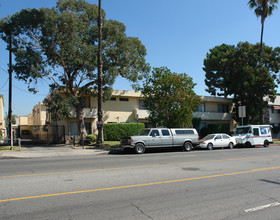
{"x": 209, "y": 136}
{"x": 144, "y": 132}
{"x": 244, "y": 130}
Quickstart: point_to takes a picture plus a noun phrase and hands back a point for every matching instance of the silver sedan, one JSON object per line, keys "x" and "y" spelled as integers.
{"x": 217, "y": 141}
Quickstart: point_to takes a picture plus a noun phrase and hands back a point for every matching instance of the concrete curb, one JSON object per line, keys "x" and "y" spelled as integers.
{"x": 40, "y": 152}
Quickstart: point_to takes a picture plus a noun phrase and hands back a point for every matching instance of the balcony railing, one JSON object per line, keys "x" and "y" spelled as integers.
{"x": 142, "y": 114}
{"x": 213, "y": 116}
{"x": 87, "y": 113}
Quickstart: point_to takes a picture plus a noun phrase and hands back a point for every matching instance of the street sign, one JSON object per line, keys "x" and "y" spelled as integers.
{"x": 99, "y": 124}
{"x": 242, "y": 111}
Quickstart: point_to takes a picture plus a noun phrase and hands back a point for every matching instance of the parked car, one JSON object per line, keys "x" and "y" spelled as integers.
{"x": 217, "y": 141}
{"x": 187, "y": 138}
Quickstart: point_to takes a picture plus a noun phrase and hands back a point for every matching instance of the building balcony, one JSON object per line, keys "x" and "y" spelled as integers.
{"x": 87, "y": 113}
{"x": 217, "y": 116}
{"x": 142, "y": 114}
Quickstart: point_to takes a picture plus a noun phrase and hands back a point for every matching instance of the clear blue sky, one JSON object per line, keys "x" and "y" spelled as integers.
{"x": 176, "y": 33}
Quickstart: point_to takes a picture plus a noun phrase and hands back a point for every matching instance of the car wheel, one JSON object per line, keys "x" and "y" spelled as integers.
{"x": 266, "y": 143}
{"x": 139, "y": 148}
{"x": 210, "y": 146}
{"x": 187, "y": 146}
{"x": 230, "y": 145}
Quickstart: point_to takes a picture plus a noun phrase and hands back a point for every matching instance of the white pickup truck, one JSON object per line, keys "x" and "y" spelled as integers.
{"x": 186, "y": 138}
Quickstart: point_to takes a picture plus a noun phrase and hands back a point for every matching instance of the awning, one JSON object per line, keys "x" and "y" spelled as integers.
{"x": 277, "y": 107}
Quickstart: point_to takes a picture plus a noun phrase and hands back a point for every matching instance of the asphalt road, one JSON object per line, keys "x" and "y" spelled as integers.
{"x": 220, "y": 184}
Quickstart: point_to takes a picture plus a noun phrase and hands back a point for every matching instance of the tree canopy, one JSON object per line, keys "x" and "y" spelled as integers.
{"x": 170, "y": 98}
{"x": 61, "y": 44}
{"x": 218, "y": 67}
{"x": 240, "y": 75}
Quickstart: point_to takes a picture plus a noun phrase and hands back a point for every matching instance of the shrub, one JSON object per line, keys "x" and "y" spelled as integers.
{"x": 92, "y": 137}
{"x": 215, "y": 128}
{"x": 115, "y": 131}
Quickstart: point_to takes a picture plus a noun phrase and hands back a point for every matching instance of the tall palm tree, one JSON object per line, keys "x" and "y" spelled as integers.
{"x": 263, "y": 8}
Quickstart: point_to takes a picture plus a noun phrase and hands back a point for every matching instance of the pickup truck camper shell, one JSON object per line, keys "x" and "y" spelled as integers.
{"x": 186, "y": 138}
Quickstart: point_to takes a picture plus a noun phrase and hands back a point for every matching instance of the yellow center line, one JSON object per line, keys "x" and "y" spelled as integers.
{"x": 137, "y": 167}
{"x": 143, "y": 184}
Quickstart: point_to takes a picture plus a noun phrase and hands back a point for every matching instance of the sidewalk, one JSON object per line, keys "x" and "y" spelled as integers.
{"x": 51, "y": 151}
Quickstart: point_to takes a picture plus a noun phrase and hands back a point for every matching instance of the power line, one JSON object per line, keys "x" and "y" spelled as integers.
{"x": 4, "y": 84}
{"x": 4, "y": 70}
{"x": 28, "y": 91}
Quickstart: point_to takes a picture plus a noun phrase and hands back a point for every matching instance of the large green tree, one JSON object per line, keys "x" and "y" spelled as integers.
{"x": 61, "y": 44}
{"x": 170, "y": 98}
{"x": 218, "y": 67}
{"x": 246, "y": 81}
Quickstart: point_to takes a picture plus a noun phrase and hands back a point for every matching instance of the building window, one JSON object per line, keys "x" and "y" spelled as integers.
{"x": 124, "y": 99}
{"x": 88, "y": 127}
{"x": 142, "y": 104}
{"x": 113, "y": 99}
{"x": 223, "y": 108}
{"x": 201, "y": 108}
{"x": 73, "y": 129}
{"x": 85, "y": 101}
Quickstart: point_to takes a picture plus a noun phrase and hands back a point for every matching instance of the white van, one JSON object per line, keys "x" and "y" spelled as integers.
{"x": 251, "y": 135}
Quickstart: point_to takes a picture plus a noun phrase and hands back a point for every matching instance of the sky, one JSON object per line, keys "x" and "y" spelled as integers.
{"x": 177, "y": 34}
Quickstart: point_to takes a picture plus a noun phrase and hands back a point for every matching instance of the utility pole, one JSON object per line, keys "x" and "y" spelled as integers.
{"x": 10, "y": 135}
{"x": 100, "y": 91}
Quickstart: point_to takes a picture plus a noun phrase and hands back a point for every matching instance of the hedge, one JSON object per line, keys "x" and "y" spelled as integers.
{"x": 215, "y": 128}
{"x": 115, "y": 131}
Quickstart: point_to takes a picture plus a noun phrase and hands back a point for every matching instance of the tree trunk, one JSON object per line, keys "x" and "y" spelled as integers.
{"x": 261, "y": 83}
{"x": 261, "y": 44}
{"x": 100, "y": 91}
{"x": 80, "y": 122}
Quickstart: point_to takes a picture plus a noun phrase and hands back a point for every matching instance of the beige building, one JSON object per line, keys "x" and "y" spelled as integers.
{"x": 126, "y": 106}
{"x": 37, "y": 117}
{"x": 215, "y": 110}
{"x": 2, "y": 117}
{"x": 123, "y": 107}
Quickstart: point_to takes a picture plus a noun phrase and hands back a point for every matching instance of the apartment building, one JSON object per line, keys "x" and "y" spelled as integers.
{"x": 215, "y": 110}
{"x": 128, "y": 106}
{"x": 123, "y": 107}
{"x": 2, "y": 117}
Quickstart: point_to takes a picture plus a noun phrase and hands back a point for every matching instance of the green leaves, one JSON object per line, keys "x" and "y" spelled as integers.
{"x": 236, "y": 70}
{"x": 62, "y": 44}
{"x": 170, "y": 98}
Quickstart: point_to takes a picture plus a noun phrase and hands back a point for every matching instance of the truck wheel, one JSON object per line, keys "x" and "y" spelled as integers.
{"x": 187, "y": 146}
{"x": 248, "y": 144}
{"x": 210, "y": 146}
{"x": 266, "y": 143}
{"x": 139, "y": 148}
{"x": 230, "y": 145}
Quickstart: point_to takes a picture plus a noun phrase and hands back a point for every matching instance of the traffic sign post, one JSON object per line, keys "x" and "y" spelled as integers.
{"x": 242, "y": 112}
{"x": 99, "y": 124}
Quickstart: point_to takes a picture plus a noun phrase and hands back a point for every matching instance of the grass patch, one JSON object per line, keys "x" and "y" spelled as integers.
{"x": 111, "y": 144}
{"x": 276, "y": 141}
{"x": 7, "y": 148}
{"x": 106, "y": 144}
